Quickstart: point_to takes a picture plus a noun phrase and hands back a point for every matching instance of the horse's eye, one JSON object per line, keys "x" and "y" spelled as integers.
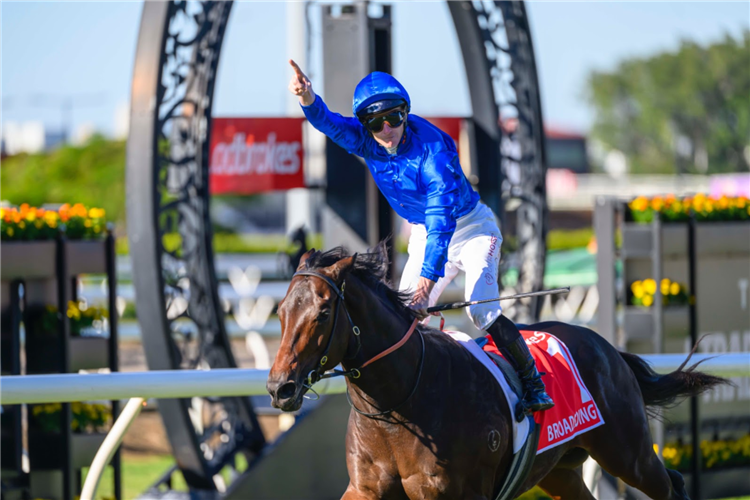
{"x": 323, "y": 315}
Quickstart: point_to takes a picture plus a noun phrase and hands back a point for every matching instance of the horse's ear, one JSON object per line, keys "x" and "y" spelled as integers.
{"x": 304, "y": 257}
{"x": 341, "y": 269}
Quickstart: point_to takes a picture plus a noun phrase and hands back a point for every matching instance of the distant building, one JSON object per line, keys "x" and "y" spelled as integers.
{"x": 566, "y": 150}
{"x": 53, "y": 139}
{"x": 121, "y": 121}
{"x": 29, "y": 137}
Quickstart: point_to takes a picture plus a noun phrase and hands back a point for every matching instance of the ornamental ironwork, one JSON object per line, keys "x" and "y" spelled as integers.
{"x": 522, "y": 148}
{"x": 175, "y": 237}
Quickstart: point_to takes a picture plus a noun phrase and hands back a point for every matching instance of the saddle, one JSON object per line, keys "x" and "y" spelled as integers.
{"x": 523, "y": 460}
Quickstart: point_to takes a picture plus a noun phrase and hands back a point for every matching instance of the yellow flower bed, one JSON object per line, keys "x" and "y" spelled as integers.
{"x": 705, "y": 208}
{"x": 27, "y": 223}
{"x": 715, "y": 454}
{"x": 83, "y": 318}
{"x": 87, "y": 417}
{"x": 642, "y": 293}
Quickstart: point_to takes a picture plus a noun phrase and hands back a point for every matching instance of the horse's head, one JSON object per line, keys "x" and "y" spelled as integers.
{"x": 309, "y": 313}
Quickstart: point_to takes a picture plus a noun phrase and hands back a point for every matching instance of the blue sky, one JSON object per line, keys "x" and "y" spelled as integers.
{"x": 86, "y": 50}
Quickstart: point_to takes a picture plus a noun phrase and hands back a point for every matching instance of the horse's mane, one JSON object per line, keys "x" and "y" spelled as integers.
{"x": 370, "y": 268}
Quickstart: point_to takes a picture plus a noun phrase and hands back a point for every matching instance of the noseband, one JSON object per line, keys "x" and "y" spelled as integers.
{"x": 318, "y": 373}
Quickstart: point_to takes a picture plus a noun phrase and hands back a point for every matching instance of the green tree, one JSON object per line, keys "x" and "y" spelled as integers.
{"x": 92, "y": 174}
{"x": 686, "y": 111}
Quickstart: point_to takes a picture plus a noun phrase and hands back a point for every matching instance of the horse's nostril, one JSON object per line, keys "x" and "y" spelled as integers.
{"x": 286, "y": 391}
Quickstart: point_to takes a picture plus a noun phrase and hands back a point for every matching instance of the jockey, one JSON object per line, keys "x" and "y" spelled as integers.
{"x": 415, "y": 166}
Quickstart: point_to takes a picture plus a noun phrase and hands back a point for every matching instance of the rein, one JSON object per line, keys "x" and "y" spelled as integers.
{"x": 318, "y": 373}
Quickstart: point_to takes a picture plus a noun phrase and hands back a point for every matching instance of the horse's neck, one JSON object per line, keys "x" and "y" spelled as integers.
{"x": 387, "y": 381}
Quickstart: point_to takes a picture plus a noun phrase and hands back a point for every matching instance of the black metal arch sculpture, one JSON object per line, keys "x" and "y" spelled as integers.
{"x": 167, "y": 197}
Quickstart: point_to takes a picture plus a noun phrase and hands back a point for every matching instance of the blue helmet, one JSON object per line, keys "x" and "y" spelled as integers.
{"x": 377, "y": 92}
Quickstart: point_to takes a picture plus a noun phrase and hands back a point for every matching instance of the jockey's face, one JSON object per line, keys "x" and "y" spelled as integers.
{"x": 389, "y": 137}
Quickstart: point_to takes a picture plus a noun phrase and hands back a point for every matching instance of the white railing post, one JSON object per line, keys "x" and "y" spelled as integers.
{"x": 109, "y": 446}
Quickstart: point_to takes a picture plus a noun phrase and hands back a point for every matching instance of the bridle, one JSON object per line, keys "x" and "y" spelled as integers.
{"x": 318, "y": 373}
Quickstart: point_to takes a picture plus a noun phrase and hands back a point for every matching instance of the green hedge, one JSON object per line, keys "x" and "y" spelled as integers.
{"x": 236, "y": 243}
{"x": 566, "y": 240}
{"x": 272, "y": 243}
{"x": 93, "y": 174}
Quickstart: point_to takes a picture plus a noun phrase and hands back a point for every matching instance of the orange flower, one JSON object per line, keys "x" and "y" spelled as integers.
{"x": 78, "y": 210}
{"x": 657, "y": 203}
{"x": 639, "y": 204}
{"x": 63, "y": 211}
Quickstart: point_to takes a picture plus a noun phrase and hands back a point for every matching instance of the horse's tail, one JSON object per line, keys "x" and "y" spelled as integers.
{"x": 665, "y": 390}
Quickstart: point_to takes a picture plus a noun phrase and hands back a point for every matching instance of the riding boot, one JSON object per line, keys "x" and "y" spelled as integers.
{"x": 509, "y": 341}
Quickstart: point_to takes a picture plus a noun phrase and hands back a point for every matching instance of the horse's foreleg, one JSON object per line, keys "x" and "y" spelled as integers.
{"x": 565, "y": 484}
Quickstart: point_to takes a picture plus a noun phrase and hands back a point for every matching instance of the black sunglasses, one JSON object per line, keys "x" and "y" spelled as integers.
{"x": 376, "y": 123}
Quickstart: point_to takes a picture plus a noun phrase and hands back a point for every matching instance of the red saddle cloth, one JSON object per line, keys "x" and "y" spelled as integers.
{"x": 575, "y": 411}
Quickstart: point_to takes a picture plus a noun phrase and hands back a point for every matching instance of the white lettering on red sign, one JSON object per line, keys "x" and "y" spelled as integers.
{"x": 242, "y": 158}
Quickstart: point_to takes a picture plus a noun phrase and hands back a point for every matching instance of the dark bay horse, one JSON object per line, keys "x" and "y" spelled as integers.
{"x": 423, "y": 412}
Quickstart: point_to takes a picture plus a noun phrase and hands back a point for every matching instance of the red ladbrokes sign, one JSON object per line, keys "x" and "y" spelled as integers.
{"x": 254, "y": 155}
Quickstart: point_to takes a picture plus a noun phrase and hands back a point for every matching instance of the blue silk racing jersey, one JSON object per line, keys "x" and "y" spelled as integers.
{"x": 423, "y": 181}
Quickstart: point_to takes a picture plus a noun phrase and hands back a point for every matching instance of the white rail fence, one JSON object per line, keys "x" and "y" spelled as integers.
{"x": 244, "y": 382}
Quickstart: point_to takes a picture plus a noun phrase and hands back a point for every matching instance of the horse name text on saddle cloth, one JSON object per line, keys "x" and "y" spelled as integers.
{"x": 575, "y": 411}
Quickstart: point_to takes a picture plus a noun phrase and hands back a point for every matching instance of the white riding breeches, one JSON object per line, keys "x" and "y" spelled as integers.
{"x": 474, "y": 249}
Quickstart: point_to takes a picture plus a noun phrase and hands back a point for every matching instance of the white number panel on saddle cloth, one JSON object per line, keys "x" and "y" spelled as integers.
{"x": 520, "y": 430}
{"x": 575, "y": 411}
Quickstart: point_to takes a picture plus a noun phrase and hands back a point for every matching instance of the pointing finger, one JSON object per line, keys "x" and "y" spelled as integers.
{"x": 300, "y": 75}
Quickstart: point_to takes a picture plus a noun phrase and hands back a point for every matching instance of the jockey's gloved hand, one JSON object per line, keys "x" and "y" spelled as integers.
{"x": 421, "y": 299}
